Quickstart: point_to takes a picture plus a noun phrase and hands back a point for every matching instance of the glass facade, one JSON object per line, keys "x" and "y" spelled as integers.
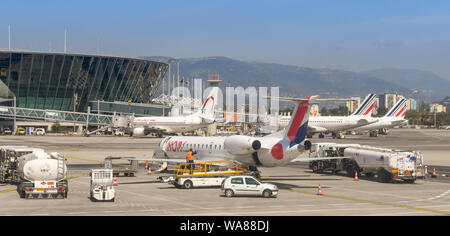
{"x": 55, "y": 80}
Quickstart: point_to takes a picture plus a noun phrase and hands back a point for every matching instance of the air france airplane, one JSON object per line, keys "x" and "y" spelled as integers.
{"x": 272, "y": 150}
{"x": 157, "y": 124}
{"x": 394, "y": 117}
{"x": 326, "y": 124}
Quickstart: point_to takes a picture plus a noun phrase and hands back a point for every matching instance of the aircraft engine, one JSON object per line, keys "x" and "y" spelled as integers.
{"x": 139, "y": 132}
{"x": 241, "y": 145}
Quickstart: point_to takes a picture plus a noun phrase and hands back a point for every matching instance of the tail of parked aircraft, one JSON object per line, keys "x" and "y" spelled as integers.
{"x": 209, "y": 106}
{"x": 298, "y": 125}
{"x": 366, "y": 107}
{"x": 398, "y": 110}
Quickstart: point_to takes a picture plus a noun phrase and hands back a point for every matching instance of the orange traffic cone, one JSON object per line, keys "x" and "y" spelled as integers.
{"x": 434, "y": 173}
{"x": 319, "y": 191}
{"x": 149, "y": 169}
{"x": 356, "y": 176}
{"x": 115, "y": 181}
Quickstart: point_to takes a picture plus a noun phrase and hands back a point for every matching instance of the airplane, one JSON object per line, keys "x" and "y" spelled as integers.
{"x": 269, "y": 151}
{"x": 394, "y": 117}
{"x": 333, "y": 124}
{"x": 143, "y": 126}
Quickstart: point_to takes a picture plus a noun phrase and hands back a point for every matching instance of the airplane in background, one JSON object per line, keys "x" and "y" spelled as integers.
{"x": 394, "y": 117}
{"x": 333, "y": 124}
{"x": 272, "y": 150}
{"x": 143, "y": 126}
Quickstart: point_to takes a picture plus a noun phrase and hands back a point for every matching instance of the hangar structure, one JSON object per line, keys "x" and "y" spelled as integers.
{"x": 68, "y": 82}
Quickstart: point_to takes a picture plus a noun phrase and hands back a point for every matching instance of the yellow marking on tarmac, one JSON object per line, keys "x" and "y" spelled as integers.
{"x": 373, "y": 202}
{"x": 7, "y": 190}
{"x": 148, "y": 155}
{"x": 83, "y": 159}
{"x": 71, "y": 149}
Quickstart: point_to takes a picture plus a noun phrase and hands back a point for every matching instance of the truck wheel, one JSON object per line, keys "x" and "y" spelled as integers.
{"x": 229, "y": 193}
{"x": 267, "y": 193}
{"x": 187, "y": 184}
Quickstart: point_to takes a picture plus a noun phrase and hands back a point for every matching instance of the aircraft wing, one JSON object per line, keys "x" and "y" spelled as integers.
{"x": 367, "y": 122}
{"x": 173, "y": 161}
{"x": 397, "y": 122}
{"x": 317, "y": 158}
{"x": 159, "y": 160}
{"x": 316, "y": 129}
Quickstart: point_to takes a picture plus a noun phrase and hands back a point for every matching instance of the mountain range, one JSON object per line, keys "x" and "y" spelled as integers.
{"x": 299, "y": 81}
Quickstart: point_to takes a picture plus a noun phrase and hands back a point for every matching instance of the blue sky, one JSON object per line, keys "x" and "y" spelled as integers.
{"x": 349, "y": 35}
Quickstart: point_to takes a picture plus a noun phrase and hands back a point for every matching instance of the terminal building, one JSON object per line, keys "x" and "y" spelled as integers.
{"x": 73, "y": 82}
{"x": 68, "y": 82}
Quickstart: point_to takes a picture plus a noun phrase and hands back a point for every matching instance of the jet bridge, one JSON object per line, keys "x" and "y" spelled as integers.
{"x": 55, "y": 116}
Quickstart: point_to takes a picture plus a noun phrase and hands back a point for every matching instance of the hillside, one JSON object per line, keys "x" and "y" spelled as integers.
{"x": 292, "y": 80}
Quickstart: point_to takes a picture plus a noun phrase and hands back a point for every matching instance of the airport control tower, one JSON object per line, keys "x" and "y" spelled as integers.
{"x": 214, "y": 80}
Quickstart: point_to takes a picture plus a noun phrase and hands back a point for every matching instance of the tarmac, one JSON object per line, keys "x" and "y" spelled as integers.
{"x": 145, "y": 195}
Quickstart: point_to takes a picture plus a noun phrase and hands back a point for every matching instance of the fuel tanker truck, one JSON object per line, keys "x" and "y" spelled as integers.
{"x": 36, "y": 173}
{"x": 385, "y": 164}
{"x": 42, "y": 175}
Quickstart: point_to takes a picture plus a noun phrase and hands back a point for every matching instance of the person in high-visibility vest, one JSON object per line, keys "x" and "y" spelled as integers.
{"x": 190, "y": 159}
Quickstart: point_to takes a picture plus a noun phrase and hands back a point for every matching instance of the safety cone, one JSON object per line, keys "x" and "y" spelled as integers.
{"x": 146, "y": 165}
{"x": 356, "y": 176}
{"x": 434, "y": 173}
{"x": 319, "y": 191}
{"x": 115, "y": 181}
{"x": 149, "y": 169}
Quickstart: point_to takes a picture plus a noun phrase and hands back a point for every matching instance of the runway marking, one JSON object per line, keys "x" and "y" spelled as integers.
{"x": 439, "y": 196}
{"x": 7, "y": 190}
{"x": 372, "y": 202}
{"x": 71, "y": 149}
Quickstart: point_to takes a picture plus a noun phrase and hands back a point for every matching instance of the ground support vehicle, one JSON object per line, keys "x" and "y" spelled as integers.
{"x": 126, "y": 170}
{"x": 247, "y": 185}
{"x": 386, "y": 164}
{"x": 36, "y": 173}
{"x": 204, "y": 174}
{"x": 102, "y": 188}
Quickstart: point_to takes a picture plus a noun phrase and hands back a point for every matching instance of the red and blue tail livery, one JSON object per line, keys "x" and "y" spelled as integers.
{"x": 296, "y": 130}
{"x": 366, "y": 106}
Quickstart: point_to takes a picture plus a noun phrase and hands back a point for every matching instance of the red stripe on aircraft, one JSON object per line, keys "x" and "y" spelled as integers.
{"x": 370, "y": 108}
{"x": 400, "y": 112}
{"x": 297, "y": 121}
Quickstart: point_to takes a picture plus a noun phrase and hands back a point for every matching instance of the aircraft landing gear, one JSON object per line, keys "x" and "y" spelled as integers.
{"x": 255, "y": 172}
{"x": 321, "y": 135}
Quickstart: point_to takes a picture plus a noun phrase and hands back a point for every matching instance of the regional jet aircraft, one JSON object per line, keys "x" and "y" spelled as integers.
{"x": 269, "y": 151}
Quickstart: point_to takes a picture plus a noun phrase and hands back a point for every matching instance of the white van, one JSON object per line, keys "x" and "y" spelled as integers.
{"x": 247, "y": 185}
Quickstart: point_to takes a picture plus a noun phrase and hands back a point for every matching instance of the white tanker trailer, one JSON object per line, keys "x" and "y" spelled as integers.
{"x": 36, "y": 173}
{"x": 42, "y": 175}
{"x": 386, "y": 164}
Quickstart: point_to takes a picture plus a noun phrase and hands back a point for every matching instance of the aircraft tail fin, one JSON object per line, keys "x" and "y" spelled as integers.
{"x": 209, "y": 105}
{"x": 366, "y": 107}
{"x": 398, "y": 110}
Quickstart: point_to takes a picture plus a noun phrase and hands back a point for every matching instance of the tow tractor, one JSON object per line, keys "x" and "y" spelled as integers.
{"x": 102, "y": 188}
{"x": 203, "y": 174}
